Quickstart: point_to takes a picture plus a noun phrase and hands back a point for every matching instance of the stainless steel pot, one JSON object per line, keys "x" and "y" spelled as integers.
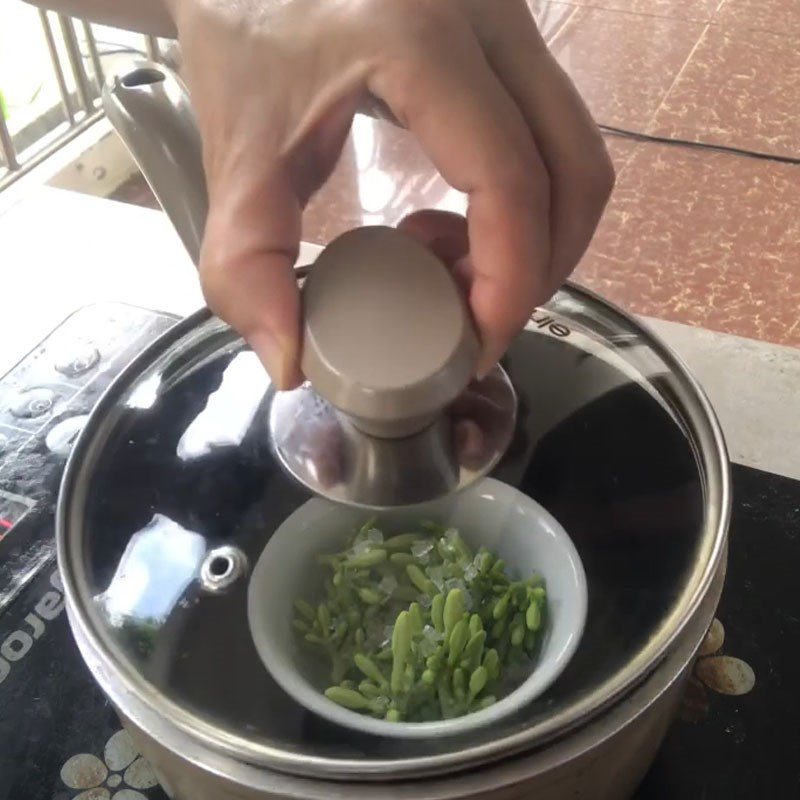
{"x": 604, "y": 760}
{"x": 613, "y": 436}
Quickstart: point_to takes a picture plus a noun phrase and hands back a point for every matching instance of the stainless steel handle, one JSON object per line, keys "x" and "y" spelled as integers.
{"x": 151, "y": 111}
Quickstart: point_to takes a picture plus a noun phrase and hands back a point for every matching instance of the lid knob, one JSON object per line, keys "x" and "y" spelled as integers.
{"x": 387, "y": 337}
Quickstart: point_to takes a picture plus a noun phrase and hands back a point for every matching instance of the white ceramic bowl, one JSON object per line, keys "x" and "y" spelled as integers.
{"x": 489, "y": 513}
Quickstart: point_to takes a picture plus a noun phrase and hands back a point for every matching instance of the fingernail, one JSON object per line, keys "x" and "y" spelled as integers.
{"x": 278, "y": 358}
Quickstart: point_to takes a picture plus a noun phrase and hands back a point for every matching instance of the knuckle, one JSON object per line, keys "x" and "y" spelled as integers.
{"x": 602, "y": 177}
{"x": 213, "y": 278}
{"x": 220, "y": 268}
{"x": 593, "y": 181}
{"x": 422, "y": 24}
{"x": 523, "y": 181}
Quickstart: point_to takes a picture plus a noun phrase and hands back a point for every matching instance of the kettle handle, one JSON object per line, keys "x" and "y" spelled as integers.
{"x": 150, "y": 109}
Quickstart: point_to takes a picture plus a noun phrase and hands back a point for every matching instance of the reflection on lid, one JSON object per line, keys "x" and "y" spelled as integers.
{"x": 159, "y": 563}
{"x": 145, "y": 393}
{"x": 229, "y": 411}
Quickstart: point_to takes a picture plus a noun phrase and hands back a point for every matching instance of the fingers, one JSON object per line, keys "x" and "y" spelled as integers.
{"x": 447, "y": 236}
{"x": 268, "y": 144}
{"x": 252, "y": 235}
{"x": 263, "y": 162}
{"x": 581, "y": 173}
{"x": 499, "y": 119}
{"x": 252, "y": 232}
{"x": 478, "y": 140}
{"x": 247, "y": 263}
{"x": 444, "y": 232}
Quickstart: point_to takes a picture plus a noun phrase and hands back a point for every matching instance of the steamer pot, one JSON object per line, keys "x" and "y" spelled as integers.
{"x": 174, "y": 477}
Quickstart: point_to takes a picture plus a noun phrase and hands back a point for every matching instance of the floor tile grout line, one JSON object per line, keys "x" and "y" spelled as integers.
{"x": 564, "y": 25}
{"x": 648, "y": 128}
{"x": 575, "y": 9}
{"x": 629, "y": 12}
{"x": 711, "y": 21}
{"x": 732, "y": 30}
{"x": 635, "y": 147}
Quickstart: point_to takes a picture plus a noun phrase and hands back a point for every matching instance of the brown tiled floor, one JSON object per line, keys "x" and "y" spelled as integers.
{"x": 740, "y": 88}
{"x": 699, "y": 10}
{"x": 694, "y": 236}
{"x": 776, "y": 16}
{"x": 622, "y": 79}
{"x": 707, "y": 239}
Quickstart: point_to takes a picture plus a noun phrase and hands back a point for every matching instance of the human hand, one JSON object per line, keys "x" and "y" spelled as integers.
{"x": 276, "y": 83}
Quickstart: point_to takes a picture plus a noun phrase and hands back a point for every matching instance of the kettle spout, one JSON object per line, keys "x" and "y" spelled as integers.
{"x": 150, "y": 109}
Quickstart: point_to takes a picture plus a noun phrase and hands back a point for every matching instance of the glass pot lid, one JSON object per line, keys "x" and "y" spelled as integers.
{"x": 172, "y": 492}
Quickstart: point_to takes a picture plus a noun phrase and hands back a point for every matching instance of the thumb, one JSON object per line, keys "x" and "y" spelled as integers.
{"x": 247, "y": 261}
{"x": 253, "y": 231}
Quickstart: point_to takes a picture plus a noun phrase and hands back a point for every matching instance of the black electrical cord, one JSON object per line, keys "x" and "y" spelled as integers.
{"x": 719, "y": 148}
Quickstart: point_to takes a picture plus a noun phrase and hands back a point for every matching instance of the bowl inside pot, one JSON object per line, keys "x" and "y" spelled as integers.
{"x": 489, "y": 514}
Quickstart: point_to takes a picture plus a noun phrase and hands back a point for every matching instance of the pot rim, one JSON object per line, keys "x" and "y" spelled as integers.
{"x": 124, "y": 686}
{"x": 511, "y": 772}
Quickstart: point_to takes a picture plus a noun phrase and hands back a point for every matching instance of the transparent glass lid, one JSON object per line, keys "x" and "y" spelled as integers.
{"x": 173, "y": 490}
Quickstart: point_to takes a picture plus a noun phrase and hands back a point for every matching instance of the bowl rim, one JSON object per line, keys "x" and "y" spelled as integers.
{"x": 544, "y": 673}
